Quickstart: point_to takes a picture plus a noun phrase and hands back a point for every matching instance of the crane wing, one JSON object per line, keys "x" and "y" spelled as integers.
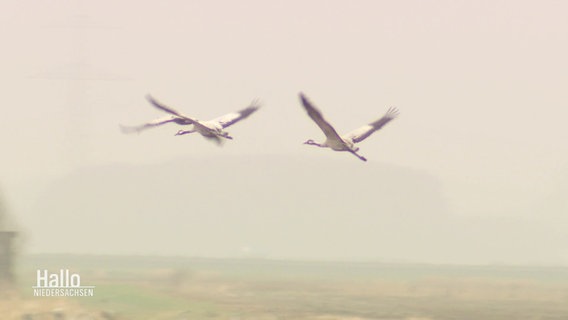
{"x": 365, "y": 131}
{"x": 234, "y": 117}
{"x": 316, "y": 115}
{"x": 167, "y": 109}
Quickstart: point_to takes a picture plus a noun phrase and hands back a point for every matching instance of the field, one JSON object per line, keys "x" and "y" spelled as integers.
{"x": 192, "y": 288}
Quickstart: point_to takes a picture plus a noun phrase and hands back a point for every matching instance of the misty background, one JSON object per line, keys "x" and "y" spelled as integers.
{"x": 475, "y": 170}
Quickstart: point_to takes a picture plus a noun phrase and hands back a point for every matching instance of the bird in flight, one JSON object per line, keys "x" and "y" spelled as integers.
{"x": 212, "y": 129}
{"x": 346, "y": 142}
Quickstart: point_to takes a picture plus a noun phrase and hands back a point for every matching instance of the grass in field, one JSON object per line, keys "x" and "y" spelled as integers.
{"x": 176, "y": 289}
{"x": 142, "y": 302}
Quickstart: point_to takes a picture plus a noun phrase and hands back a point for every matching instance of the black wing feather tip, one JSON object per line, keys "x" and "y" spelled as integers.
{"x": 304, "y": 99}
{"x": 393, "y": 112}
{"x": 255, "y": 103}
{"x": 150, "y": 98}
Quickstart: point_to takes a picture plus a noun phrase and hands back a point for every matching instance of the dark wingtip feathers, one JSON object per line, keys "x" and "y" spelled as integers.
{"x": 393, "y": 112}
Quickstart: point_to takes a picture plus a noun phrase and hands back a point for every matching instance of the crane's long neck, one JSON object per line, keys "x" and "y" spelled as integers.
{"x": 182, "y": 132}
{"x": 313, "y": 143}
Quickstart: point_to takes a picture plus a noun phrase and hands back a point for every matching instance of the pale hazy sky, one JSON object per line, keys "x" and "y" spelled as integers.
{"x": 481, "y": 86}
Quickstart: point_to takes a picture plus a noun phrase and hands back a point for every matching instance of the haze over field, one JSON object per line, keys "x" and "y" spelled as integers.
{"x": 475, "y": 170}
{"x": 272, "y": 208}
